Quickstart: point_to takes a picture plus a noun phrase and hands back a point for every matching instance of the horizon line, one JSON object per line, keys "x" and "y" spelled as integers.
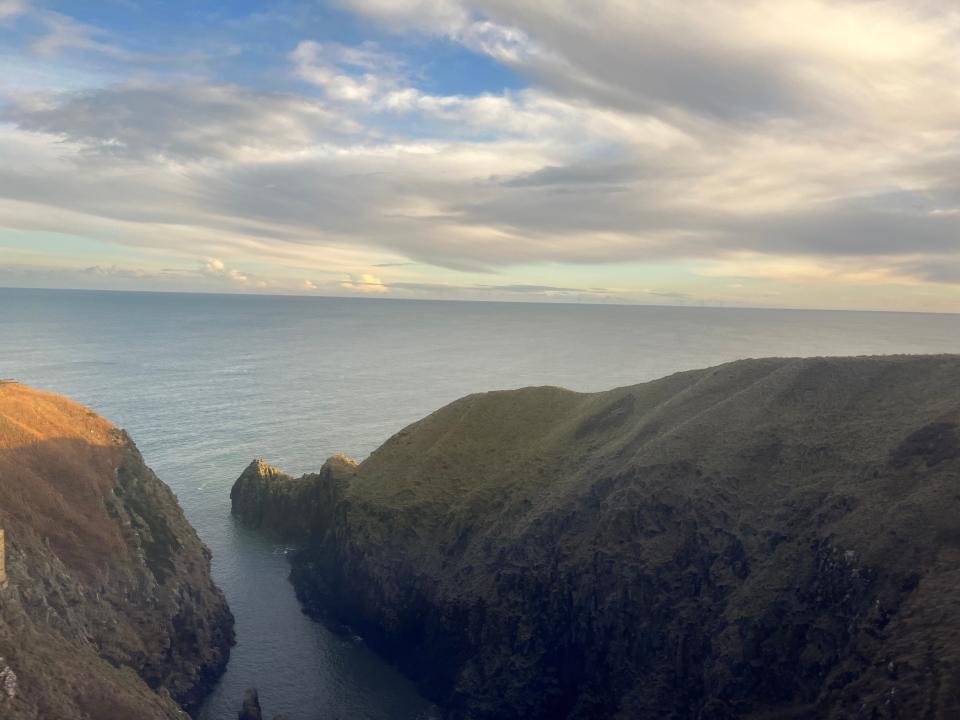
{"x": 498, "y": 302}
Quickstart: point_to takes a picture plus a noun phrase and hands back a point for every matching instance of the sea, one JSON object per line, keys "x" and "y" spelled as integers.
{"x": 206, "y": 383}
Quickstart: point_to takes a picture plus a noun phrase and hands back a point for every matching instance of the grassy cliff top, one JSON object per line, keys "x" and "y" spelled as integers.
{"x": 859, "y": 407}
{"x": 58, "y": 459}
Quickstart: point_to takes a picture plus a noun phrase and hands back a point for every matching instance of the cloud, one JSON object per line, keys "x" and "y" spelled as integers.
{"x": 292, "y": 179}
{"x": 806, "y": 270}
{"x": 438, "y": 16}
{"x": 603, "y": 174}
{"x": 64, "y": 33}
{"x": 215, "y": 268}
{"x": 731, "y": 61}
{"x": 12, "y": 8}
{"x": 942, "y": 269}
{"x": 450, "y": 19}
{"x": 382, "y": 93}
{"x": 183, "y": 121}
{"x": 114, "y": 271}
{"x": 365, "y": 283}
{"x": 803, "y": 141}
{"x": 313, "y": 67}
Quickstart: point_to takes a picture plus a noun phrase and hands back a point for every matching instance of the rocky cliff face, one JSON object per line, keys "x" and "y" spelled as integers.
{"x": 109, "y": 610}
{"x": 765, "y": 539}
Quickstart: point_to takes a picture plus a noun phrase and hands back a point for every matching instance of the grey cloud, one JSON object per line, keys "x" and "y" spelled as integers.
{"x": 317, "y": 194}
{"x": 303, "y": 202}
{"x": 633, "y": 223}
{"x": 185, "y": 121}
{"x": 576, "y": 175}
{"x": 648, "y": 73}
{"x": 116, "y": 272}
{"x": 944, "y": 270}
{"x": 850, "y": 230}
{"x": 884, "y": 224}
{"x": 701, "y": 58}
{"x": 545, "y": 215}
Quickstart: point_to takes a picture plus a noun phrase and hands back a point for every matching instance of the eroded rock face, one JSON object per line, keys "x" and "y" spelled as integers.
{"x": 109, "y": 609}
{"x": 265, "y": 497}
{"x": 8, "y": 682}
{"x": 768, "y": 538}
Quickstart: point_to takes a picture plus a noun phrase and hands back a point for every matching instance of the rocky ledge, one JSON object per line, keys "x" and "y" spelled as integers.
{"x": 109, "y": 610}
{"x": 764, "y": 539}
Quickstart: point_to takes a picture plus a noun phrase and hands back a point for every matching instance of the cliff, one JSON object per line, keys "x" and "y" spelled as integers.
{"x": 109, "y": 610}
{"x": 765, "y": 539}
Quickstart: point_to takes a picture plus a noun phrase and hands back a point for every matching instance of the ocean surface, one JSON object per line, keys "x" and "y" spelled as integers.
{"x": 205, "y": 383}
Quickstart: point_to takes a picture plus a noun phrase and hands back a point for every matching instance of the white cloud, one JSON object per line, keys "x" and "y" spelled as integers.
{"x": 365, "y": 283}
{"x": 528, "y": 113}
{"x": 65, "y": 33}
{"x": 215, "y": 268}
{"x": 315, "y": 68}
{"x": 12, "y": 8}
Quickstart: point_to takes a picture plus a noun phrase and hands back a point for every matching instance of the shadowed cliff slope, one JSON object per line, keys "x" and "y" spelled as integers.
{"x": 771, "y": 538}
{"x": 109, "y": 610}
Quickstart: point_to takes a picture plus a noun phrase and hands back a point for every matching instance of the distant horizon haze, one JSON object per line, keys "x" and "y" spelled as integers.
{"x": 529, "y": 301}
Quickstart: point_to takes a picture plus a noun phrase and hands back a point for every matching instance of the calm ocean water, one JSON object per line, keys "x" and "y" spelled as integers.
{"x": 205, "y": 383}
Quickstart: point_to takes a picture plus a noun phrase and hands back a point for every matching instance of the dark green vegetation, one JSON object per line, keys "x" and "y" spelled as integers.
{"x": 109, "y": 610}
{"x": 765, "y": 539}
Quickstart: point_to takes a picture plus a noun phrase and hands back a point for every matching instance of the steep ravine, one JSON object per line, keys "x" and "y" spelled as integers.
{"x": 764, "y": 539}
{"x": 109, "y": 610}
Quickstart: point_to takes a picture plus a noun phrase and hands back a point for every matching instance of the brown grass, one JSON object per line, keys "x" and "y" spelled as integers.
{"x": 58, "y": 461}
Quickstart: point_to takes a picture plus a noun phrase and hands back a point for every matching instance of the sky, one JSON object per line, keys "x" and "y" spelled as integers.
{"x": 771, "y": 153}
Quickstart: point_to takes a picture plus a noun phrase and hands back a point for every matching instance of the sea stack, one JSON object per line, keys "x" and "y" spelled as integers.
{"x": 766, "y": 538}
{"x": 109, "y": 609}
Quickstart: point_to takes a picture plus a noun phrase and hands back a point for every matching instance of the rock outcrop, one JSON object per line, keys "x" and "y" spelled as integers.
{"x": 764, "y": 539}
{"x": 251, "y": 710}
{"x": 109, "y": 610}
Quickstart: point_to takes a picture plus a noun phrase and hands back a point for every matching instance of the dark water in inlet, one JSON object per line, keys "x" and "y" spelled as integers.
{"x": 205, "y": 383}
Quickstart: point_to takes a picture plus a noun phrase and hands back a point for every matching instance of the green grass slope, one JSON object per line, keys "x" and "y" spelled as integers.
{"x": 767, "y": 538}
